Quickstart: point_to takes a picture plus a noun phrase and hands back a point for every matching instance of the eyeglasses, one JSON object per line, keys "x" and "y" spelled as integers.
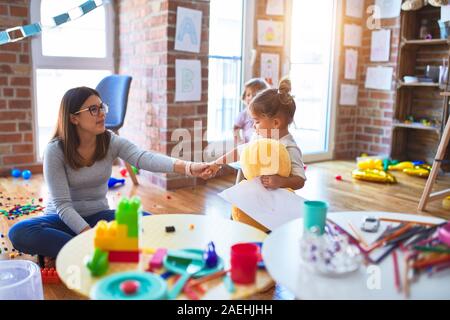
{"x": 95, "y": 109}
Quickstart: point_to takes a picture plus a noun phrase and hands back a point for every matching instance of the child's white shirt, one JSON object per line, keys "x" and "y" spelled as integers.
{"x": 297, "y": 165}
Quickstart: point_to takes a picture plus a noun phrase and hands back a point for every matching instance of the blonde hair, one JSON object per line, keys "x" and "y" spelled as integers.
{"x": 273, "y": 102}
{"x": 255, "y": 85}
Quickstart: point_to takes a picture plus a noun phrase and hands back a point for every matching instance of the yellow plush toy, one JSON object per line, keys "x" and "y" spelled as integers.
{"x": 260, "y": 158}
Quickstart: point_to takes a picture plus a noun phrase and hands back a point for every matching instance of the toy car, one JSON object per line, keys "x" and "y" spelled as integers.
{"x": 370, "y": 224}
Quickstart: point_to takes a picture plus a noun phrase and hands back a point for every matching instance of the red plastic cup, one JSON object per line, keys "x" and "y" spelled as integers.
{"x": 244, "y": 260}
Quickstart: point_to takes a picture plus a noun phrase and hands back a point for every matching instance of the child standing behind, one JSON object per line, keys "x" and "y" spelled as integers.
{"x": 243, "y": 121}
{"x": 272, "y": 111}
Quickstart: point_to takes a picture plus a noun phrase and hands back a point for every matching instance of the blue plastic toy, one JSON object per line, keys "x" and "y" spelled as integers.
{"x": 210, "y": 256}
{"x": 26, "y": 174}
{"x": 113, "y": 182}
{"x": 16, "y": 173}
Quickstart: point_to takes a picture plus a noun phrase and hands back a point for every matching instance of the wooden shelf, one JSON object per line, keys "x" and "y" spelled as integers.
{"x": 418, "y": 84}
{"x": 417, "y": 126}
{"x": 432, "y": 42}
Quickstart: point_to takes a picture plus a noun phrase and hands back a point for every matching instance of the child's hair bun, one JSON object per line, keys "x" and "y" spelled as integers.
{"x": 284, "y": 91}
{"x": 285, "y": 86}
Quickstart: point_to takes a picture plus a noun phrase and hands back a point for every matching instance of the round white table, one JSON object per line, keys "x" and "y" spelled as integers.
{"x": 191, "y": 231}
{"x": 281, "y": 253}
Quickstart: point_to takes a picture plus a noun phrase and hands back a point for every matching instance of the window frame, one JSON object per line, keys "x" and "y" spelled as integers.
{"x": 334, "y": 79}
{"x": 40, "y": 61}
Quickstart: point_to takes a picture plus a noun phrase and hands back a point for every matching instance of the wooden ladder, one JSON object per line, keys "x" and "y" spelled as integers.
{"x": 427, "y": 194}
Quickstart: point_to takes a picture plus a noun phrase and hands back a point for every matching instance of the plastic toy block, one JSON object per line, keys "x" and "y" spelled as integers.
{"x": 124, "y": 256}
{"x": 49, "y": 276}
{"x": 112, "y": 236}
{"x": 170, "y": 229}
{"x": 98, "y": 264}
{"x": 157, "y": 260}
{"x": 129, "y": 213}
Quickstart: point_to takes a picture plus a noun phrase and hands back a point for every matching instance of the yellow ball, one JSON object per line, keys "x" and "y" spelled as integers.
{"x": 264, "y": 157}
{"x": 446, "y": 203}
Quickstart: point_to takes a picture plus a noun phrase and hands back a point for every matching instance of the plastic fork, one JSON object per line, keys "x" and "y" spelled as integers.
{"x": 194, "y": 267}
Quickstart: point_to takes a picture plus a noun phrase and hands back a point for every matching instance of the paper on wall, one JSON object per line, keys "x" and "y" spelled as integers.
{"x": 354, "y": 8}
{"x": 389, "y": 8}
{"x": 351, "y": 64}
{"x": 271, "y": 208}
{"x": 270, "y": 66}
{"x": 352, "y": 35}
{"x": 270, "y": 33}
{"x": 381, "y": 45}
{"x": 188, "y": 83}
{"x": 379, "y": 78}
{"x": 188, "y": 30}
{"x": 445, "y": 13}
{"x": 275, "y": 7}
{"x": 349, "y": 95}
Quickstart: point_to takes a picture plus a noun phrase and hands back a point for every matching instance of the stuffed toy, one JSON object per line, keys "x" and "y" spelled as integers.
{"x": 418, "y": 4}
{"x": 259, "y": 158}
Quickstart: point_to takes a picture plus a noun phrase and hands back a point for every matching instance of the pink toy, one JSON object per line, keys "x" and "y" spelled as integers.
{"x": 444, "y": 234}
{"x": 157, "y": 260}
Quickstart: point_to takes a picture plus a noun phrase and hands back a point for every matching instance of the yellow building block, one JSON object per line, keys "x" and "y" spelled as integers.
{"x": 114, "y": 237}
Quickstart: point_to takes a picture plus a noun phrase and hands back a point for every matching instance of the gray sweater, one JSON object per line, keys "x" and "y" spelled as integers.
{"x": 74, "y": 194}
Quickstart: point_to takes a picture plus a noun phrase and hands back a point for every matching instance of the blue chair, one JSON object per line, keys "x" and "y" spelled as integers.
{"x": 114, "y": 91}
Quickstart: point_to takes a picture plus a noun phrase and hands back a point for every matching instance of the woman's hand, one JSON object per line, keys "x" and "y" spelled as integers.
{"x": 201, "y": 170}
{"x": 272, "y": 182}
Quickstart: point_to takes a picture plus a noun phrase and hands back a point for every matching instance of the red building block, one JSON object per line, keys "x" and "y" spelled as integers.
{"x": 123, "y": 256}
{"x": 50, "y": 276}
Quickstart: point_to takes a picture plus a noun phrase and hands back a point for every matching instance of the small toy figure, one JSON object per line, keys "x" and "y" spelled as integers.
{"x": 26, "y": 174}
{"x": 210, "y": 255}
{"x": 113, "y": 182}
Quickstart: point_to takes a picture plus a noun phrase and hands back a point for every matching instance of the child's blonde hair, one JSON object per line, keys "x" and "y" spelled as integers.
{"x": 255, "y": 85}
{"x": 273, "y": 102}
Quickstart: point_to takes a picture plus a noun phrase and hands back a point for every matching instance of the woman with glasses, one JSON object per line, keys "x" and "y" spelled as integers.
{"x": 77, "y": 165}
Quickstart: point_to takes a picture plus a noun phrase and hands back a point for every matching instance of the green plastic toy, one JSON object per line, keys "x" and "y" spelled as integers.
{"x": 98, "y": 264}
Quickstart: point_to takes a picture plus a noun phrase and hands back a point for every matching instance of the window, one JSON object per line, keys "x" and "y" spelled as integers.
{"x": 225, "y": 67}
{"x": 77, "y": 53}
{"x": 312, "y": 63}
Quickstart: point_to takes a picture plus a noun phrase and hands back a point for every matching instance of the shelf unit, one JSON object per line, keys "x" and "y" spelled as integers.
{"x": 415, "y": 141}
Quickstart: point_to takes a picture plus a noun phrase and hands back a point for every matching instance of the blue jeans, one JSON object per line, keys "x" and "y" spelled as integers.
{"x": 46, "y": 235}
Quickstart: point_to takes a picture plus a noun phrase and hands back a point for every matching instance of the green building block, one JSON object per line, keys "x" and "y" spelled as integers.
{"x": 129, "y": 213}
{"x": 98, "y": 263}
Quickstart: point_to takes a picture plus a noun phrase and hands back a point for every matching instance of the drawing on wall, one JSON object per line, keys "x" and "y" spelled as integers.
{"x": 351, "y": 64}
{"x": 275, "y": 7}
{"x": 270, "y": 33}
{"x": 381, "y": 45}
{"x": 270, "y": 66}
{"x": 379, "y": 78}
{"x": 352, "y": 35}
{"x": 188, "y": 30}
{"x": 349, "y": 95}
{"x": 188, "y": 80}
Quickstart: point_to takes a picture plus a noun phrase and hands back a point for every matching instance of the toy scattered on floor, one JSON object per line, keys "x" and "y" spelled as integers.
{"x": 191, "y": 226}
{"x": 373, "y": 175}
{"x": 50, "y": 276}
{"x": 401, "y": 166}
{"x": 370, "y": 164}
{"x": 118, "y": 238}
{"x": 422, "y": 171}
{"x": 113, "y": 182}
{"x": 26, "y": 174}
{"x": 168, "y": 197}
{"x": 123, "y": 172}
{"x": 170, "y": 229}
{"x": 338, "y": 178}
{"x": 210, "y": 256}
{"x": 18, "y": 211}
{"x": 446, "y": 203}
{"x": 16, "y": 173}
{"x": 135, "y": 170}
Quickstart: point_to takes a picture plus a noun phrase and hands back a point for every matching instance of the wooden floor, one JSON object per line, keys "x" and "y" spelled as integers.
{"x": 345, "y": 195}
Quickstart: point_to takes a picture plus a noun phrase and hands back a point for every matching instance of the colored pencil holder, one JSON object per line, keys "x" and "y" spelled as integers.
{"x": 244, "y": 262}
{"x": 315, "y": 215}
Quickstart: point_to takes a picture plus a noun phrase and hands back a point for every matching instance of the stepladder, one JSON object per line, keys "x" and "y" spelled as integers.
{"x": 427, "y": 194}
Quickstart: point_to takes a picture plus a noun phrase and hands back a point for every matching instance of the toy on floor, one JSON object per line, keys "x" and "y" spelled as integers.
{"x": 373, "y": 175}
{"x": 260, "y": 158}
{"x": 371, "y": 164}
{"x": 25, "y": 174}
{"x": 118, "y": 239}
{"x": 113, "y": 182}
{"x": 50, "y": 276}
{"x": 16, "y": 173}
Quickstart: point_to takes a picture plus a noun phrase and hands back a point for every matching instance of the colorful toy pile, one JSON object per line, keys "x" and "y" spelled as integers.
{"x": 376, "y": 170}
